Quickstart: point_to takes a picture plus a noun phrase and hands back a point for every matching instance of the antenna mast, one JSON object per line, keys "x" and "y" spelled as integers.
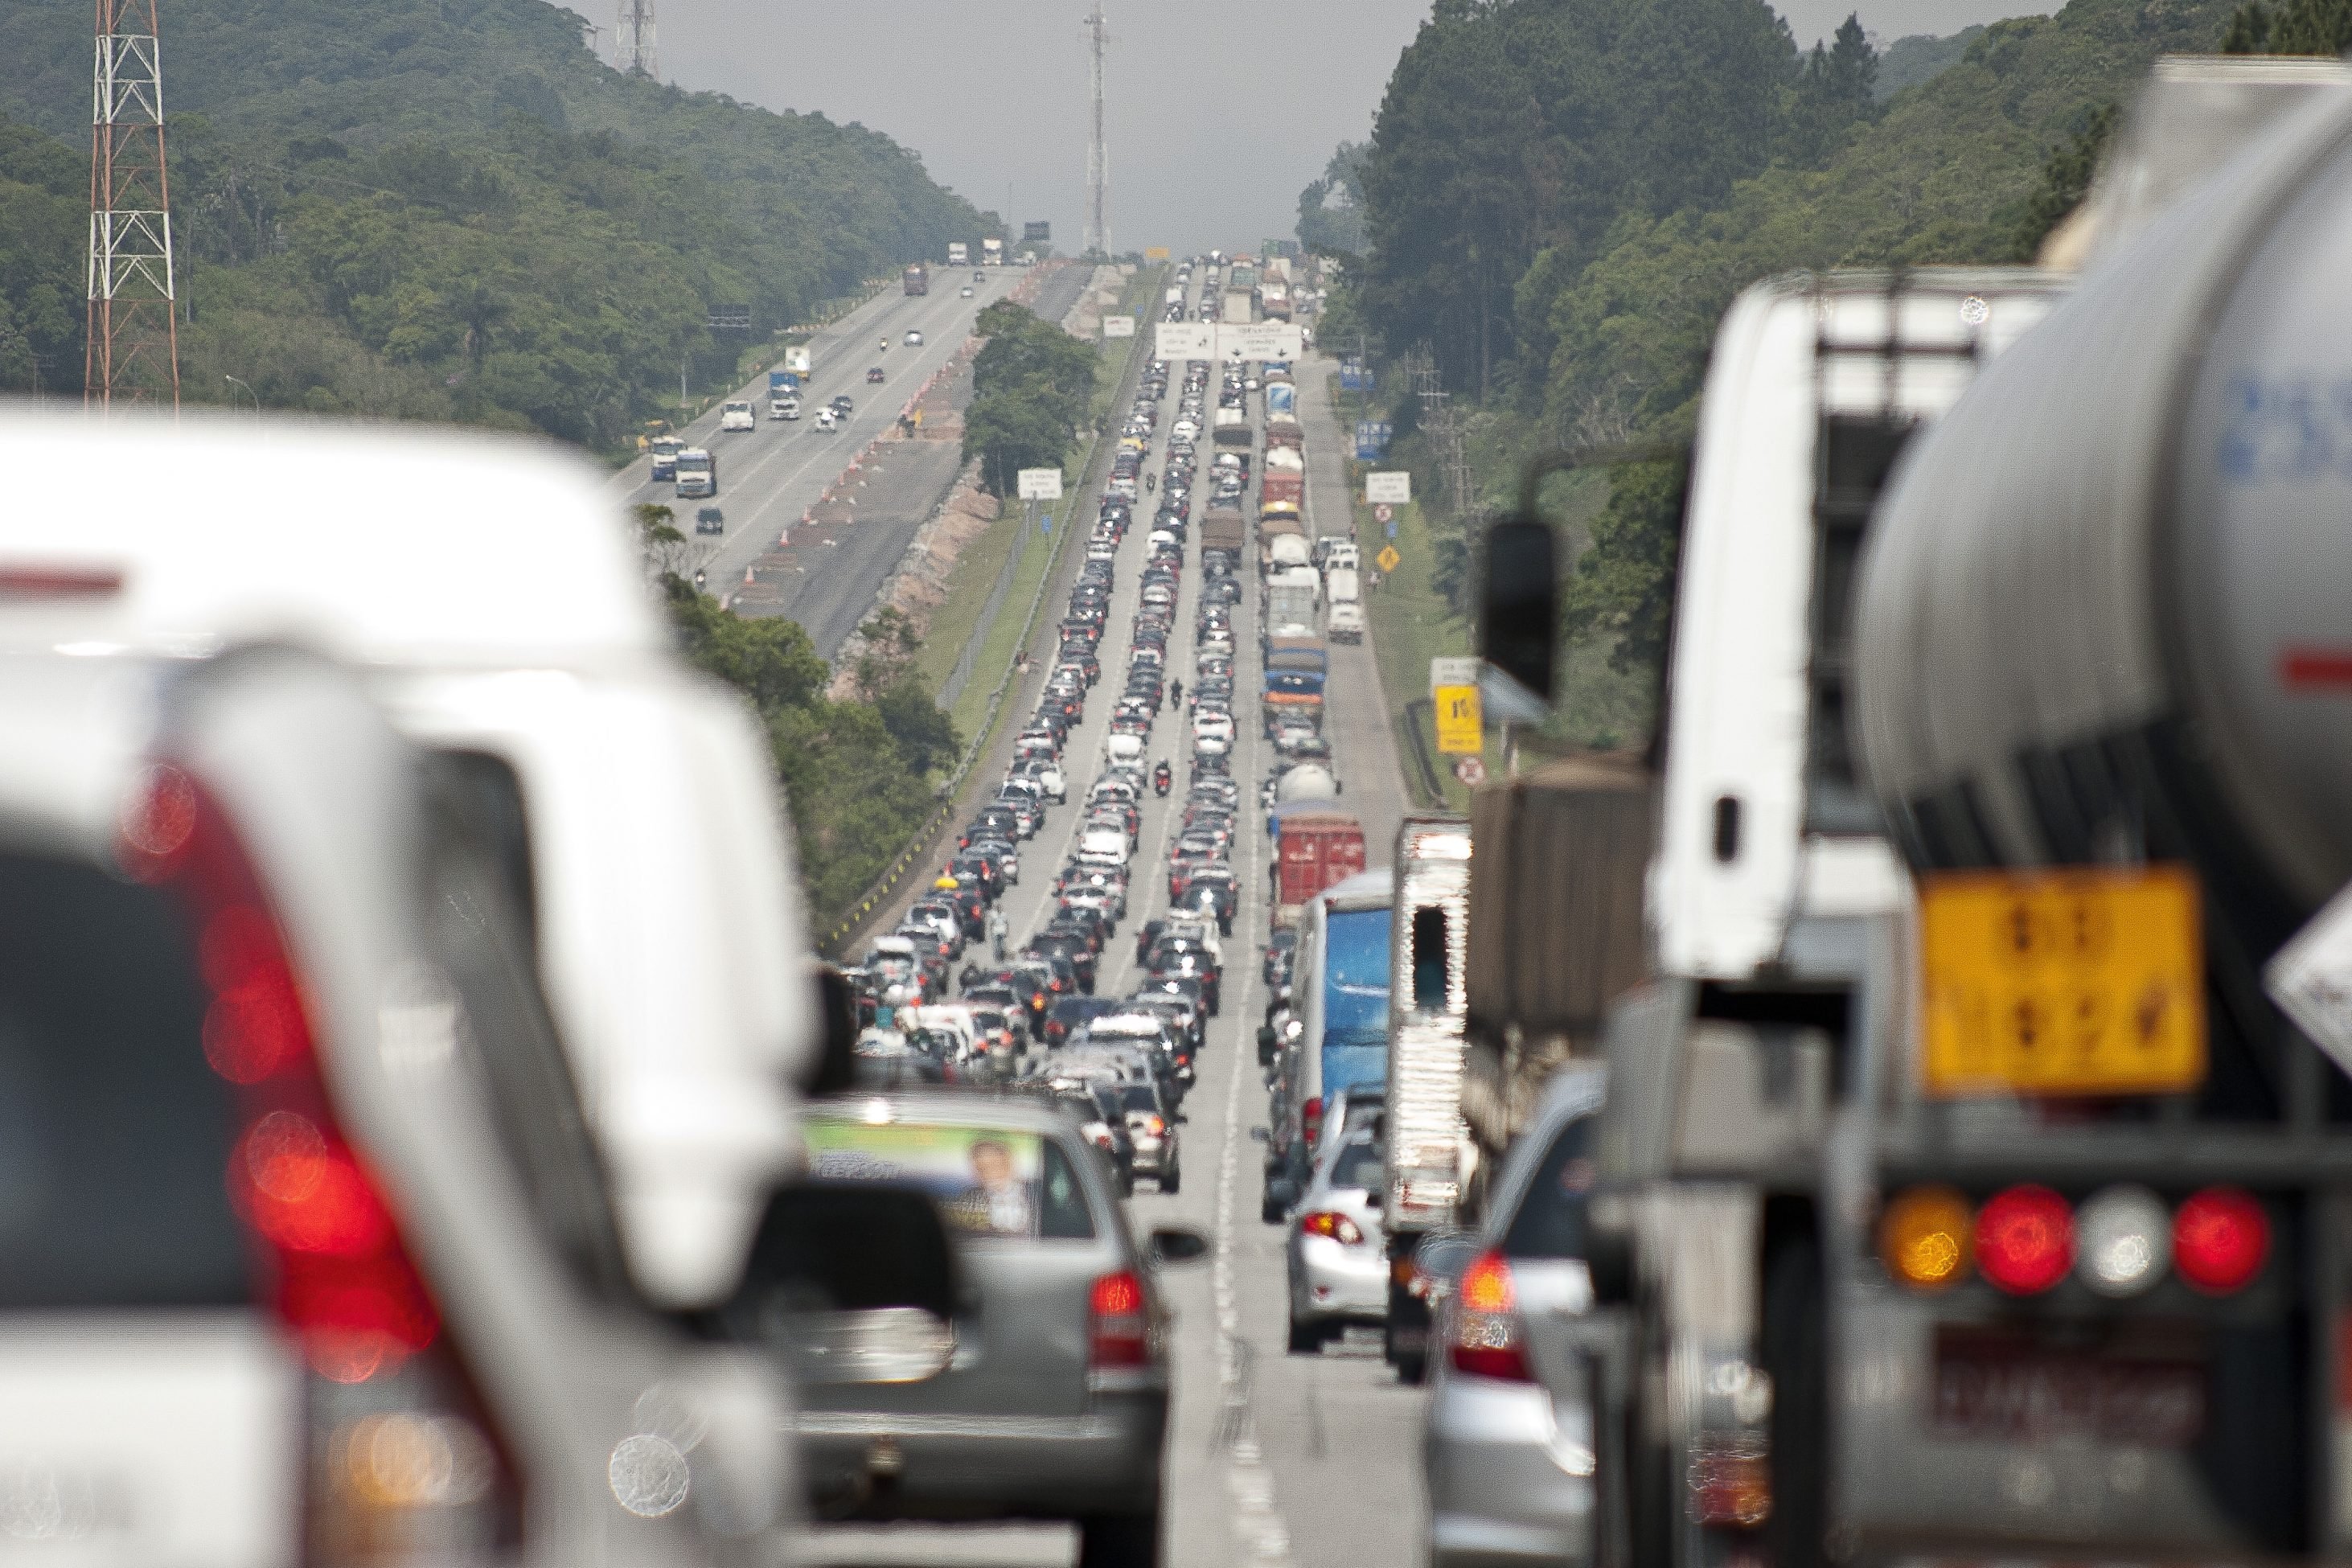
{"x": 133, "y": 342}
{"x": 633, "y": 40}
{"x": 1097, "y": 234}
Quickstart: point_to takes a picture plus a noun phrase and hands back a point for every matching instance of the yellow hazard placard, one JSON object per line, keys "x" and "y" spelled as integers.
{"x": 1460, "y": 728}
{"x": 1387, "y": 559}
{"x": 2076, "y": 982}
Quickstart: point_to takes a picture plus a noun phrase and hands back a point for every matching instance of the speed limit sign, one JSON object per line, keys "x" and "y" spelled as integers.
{"x": 1384, "y": 512}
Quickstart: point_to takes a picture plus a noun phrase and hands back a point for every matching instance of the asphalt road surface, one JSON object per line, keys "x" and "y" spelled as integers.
{"x": 1275, "y": 1460}
{"x": 771, "y": 474}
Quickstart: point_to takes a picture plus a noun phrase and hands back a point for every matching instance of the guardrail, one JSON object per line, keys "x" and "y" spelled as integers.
{"x": 919, "y": 847}
{"x": 1432, "y": 787}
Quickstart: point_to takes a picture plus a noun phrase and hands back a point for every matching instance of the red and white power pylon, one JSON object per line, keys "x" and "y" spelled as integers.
{"x": 134, "y": 338}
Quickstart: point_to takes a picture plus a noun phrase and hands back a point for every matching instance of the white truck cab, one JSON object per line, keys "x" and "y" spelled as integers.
{"x": 737, "y": 416}
{"x": 1815, "y": 384}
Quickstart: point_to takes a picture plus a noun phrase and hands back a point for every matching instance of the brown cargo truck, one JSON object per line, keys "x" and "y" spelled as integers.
{"x": 1555, "y": 929}
{"x": 1223, "y": 529}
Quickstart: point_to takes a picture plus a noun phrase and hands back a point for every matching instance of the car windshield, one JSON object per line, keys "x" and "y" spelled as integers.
{"x": 1551, "y": 1219}
{"x": 1357, "y": 1166}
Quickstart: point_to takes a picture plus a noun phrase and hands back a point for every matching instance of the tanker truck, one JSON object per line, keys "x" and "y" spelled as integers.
{"x": 2032, "y": 1240}
{"x": 2104, "y": 644}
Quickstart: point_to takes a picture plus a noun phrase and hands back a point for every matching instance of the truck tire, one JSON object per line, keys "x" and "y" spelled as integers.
{"x": 1120, "y": 1541}
{"x": 1308, "y": 1339}
{"x": 1408, "y": 1351}
{"x": 1796, "y": 1359}
{"x": 1168, "y": 1184}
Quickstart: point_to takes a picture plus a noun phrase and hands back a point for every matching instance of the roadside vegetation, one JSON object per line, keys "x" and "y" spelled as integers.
{"x": 1561, "y": 197}
{"x": 860, "y": 775}
{"x": 447, "y": 210}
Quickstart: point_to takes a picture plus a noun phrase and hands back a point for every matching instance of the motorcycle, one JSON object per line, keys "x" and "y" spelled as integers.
{"x": 1161, "y": 779}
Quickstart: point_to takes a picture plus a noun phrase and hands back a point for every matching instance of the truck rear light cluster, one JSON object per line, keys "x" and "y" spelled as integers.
{"x": 1487, "y": 1339}
{"x": 2119, "y": 1242}
{"x": 401, "y": 1457}
{"x": 1338, "y": 1226}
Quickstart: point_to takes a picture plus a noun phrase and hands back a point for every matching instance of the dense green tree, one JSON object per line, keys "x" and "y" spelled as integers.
{"x": 2065, "y": 178}
{"x": 1031, "y": 386}
{"x": 1331, "y": 209}
{"x": 2290, "y": 28}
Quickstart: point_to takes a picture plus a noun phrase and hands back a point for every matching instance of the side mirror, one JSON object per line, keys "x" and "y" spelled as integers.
{"x": 1177, "y": 1244}
{"x": 836, "y": 1068}
{"x": 1443, "y": 1257}
{"x": 1518, "y": 605}
{"x": 1282, "y": 1192}
{"x": 850, "y": 1283}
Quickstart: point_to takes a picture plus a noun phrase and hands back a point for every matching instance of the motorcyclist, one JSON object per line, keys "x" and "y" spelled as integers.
{"x": 1176, "y": 692}
{"x": 996, "y": 933}
{"x": 1150, "y": 483}
{"x": 1160, "y": 778}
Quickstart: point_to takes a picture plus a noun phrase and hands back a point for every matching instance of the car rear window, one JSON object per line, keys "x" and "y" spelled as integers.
{"x": 114, "y": 1131}
{"x": 990, "y": 1183}
{"x": 1550, "y": 1221}
{"x": 1358, "y": 1165}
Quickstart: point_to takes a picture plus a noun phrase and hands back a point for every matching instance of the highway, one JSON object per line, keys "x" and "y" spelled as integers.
{"x": 1274, "y": 1460}
{"x": 770, "y": 475}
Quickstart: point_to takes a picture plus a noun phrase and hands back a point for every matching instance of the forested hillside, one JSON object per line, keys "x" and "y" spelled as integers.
{"x": 1666, "y": 154}
{"x": 445, "y": 209}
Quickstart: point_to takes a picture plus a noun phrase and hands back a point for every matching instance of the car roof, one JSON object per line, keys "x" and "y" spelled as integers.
{"x": 203, "y": 556}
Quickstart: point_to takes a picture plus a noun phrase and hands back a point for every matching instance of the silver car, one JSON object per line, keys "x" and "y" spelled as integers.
{"x": 1338, "y": 1253}
{"x": 310, "y": 1257}
{"x": 1152, "y": 1127}
{"x": 1509, "y": 1444}
{"x": 1053, "y": 1402}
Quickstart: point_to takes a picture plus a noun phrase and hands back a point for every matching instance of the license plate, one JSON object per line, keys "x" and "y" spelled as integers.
{"x": 1998, "y": 1388}
{"x": 2077, "y": 982}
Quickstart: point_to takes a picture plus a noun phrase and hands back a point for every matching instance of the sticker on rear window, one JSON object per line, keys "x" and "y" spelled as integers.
{"x": 985, "y": 1180}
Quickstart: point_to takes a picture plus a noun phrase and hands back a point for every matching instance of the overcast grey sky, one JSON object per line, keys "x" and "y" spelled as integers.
{"x": 1218, "y": 113}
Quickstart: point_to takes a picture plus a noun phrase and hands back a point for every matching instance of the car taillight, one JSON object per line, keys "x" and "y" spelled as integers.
{"x": 1486, "y": 1339}
{"x": 2024, "y": 1239}
{"x": 401, "y": 1450}
{"x": 1338, "y": 1226}
{"x": 1926, "y": 1235}
{"x": 2220, "y": 1238}
{"x": 1120, "y": 1326}
{"x": 1311, "y": 1117}
{"x": 1154, "y": 1125}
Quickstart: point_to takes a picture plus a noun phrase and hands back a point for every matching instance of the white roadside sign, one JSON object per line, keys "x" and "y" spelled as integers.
{"x": 1259, "y": 340}
{"x": 1187, "y": 340}
{"x": 1041, "y": 484}
{"x": 1453, "y": 672}
{"x": 1119, "y": 326}
{"x": 1389, "y": 487}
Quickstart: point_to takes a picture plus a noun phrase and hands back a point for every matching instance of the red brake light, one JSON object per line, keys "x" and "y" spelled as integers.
{"x": 345, "y": 1282}
{"x": 1311, "y": 1117}
{"x": 1486, "y": 1322}
{"x": 2220, "y": 1238}
{"x": 2025, "y": 1239}
{"x": 1121, "y": 1329}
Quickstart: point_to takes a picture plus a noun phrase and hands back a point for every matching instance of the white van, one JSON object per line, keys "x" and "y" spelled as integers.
{"x": 659, "y": 933}
{"x": 1102, "y": 847}
{"x": 1344, "y": 622}
{"x": 1123, "y": 749}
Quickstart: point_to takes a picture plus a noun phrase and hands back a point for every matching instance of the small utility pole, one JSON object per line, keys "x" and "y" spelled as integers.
{"x": 1097, "y": 234}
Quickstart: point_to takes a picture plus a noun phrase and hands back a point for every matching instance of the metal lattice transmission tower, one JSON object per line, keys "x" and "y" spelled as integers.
{"x": 1445, "y": 435}
{"x": 133, "y": 353}
{"x": 1097, "y": 234}
{"x": 634, "y": 41}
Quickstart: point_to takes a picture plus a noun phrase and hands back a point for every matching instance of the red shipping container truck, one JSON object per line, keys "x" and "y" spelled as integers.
{"x": 1313, "y": 850}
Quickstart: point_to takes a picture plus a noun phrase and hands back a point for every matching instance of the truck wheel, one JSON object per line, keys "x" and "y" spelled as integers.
{"x": 1120, "y": 1541}
{"x": 1307, "y": 1339}
{"x": 1168, "y": 1182}
{"x": 1269, "y": 1211}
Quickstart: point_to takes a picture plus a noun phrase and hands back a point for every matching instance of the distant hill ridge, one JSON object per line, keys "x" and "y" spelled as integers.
{"x": 451, "y": 208}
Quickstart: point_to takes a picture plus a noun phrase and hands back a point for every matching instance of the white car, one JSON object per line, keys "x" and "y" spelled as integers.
{"x": 1214, "y": 727}
{"x": 914, "y": 339}
{"x": 826, "y": 419}
{"x": 737, "y": 416}
{"x": 967, "y": 290}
